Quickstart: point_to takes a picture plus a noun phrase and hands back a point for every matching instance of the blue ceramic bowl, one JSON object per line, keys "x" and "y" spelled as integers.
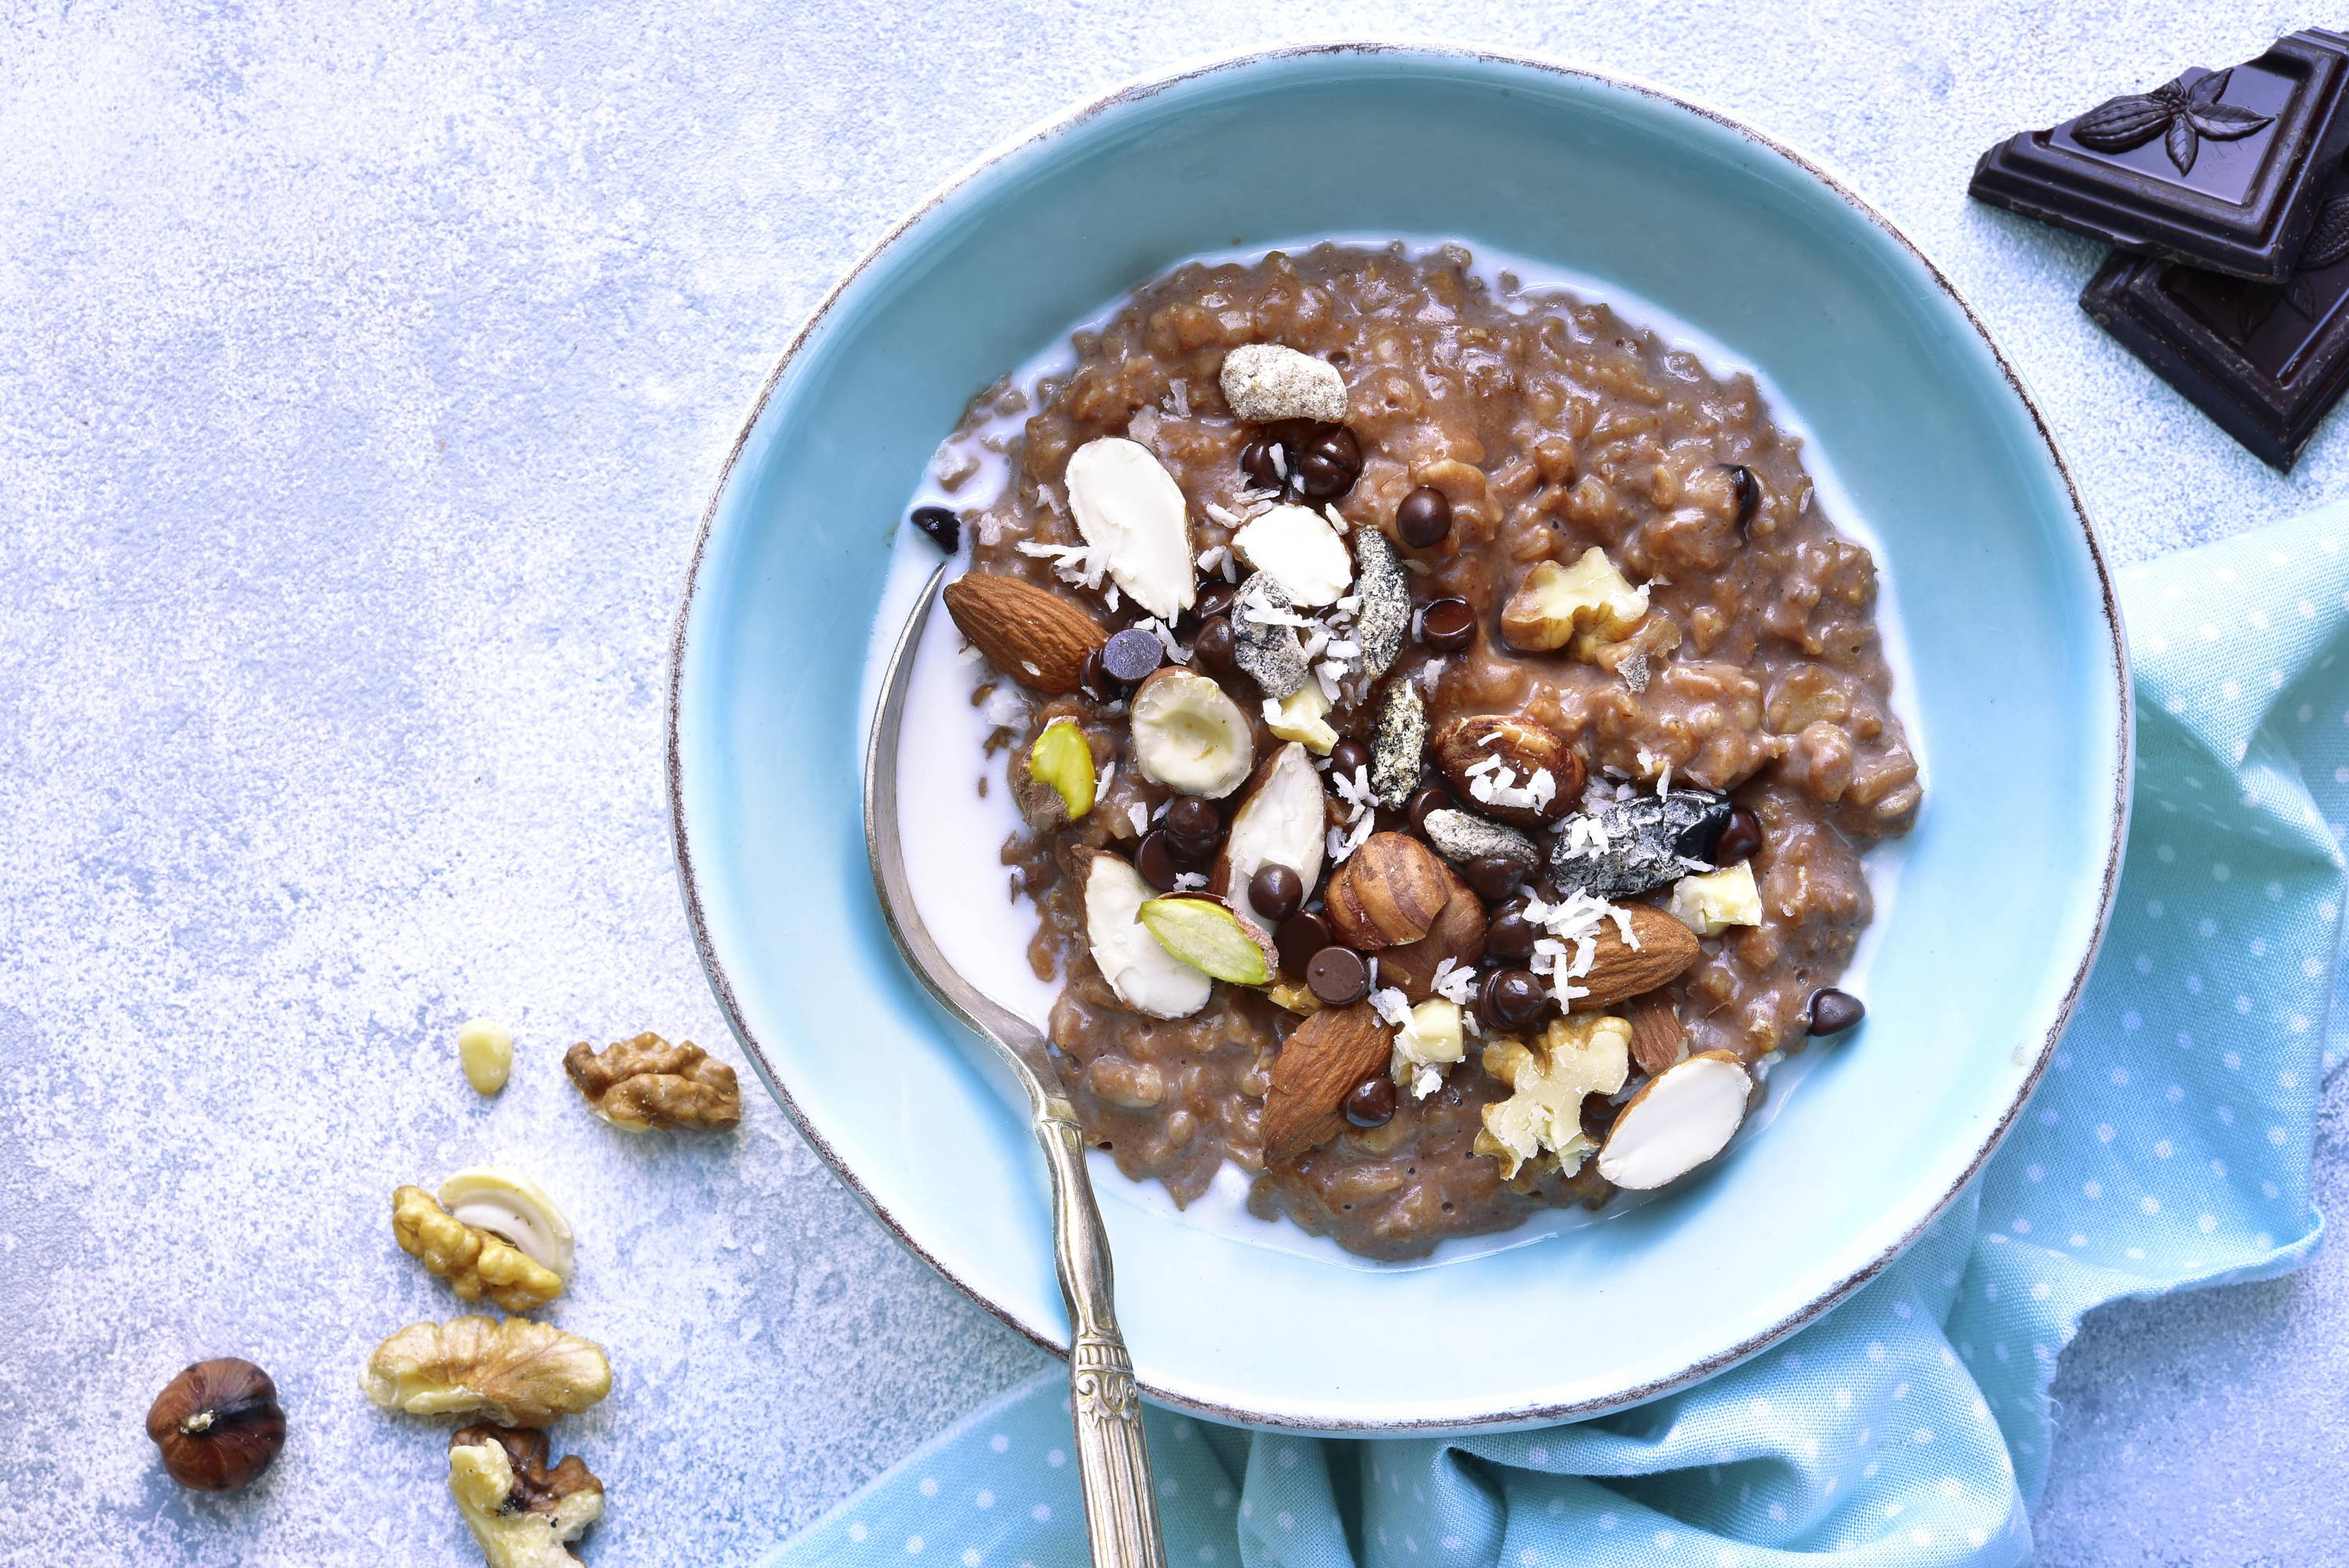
{"x": 2017, "y": 694}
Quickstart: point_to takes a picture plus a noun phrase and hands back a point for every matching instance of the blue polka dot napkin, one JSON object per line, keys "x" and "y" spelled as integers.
{"x": 2166, "y": 1147}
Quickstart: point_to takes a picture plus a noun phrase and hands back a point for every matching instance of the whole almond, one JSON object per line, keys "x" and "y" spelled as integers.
{"x": 1458, "y": 934}
{"x": 1031, "y": 633}
{"x": 1330, "y": 1052}
{"x": 1522, "y": 748}
{"x": 1619, "y": 971}
{"x": 1388, "y": 893}
{"x": 1658, "y": 1037}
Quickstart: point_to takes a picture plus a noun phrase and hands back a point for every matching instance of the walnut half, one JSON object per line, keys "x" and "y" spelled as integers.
{"x": 522, "y": 1514}
{"x": 516, "y": 1372}
{"x": 646, "y": 1082}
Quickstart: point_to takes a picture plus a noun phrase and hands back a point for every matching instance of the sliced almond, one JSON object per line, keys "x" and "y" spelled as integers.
{"x": 1280, "y": 823}
{"x": 1297, "y": 548}
{"x": 1189, "y": 736}
{"x": 1330, "y": 1052}
{"x": 1031, "y": 633}
{"x": 1619, "y": 971}
{"x": 1130, "y": 509}
{"x": 1146, "y": 977}
{"x": 1204, "y": 932}
{"x": 1684, "y": 1117}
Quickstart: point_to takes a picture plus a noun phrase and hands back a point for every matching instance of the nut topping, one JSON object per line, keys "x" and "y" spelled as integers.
{"x": 1711, "y": 903}
{"x": 1146, "y": 977}
{"x": 475, "y": 1262}
{"x": 1518, "y": 771}
{"x": 1202, "y": 931}
{"x": 1279, "y": 825}
{"x": 1540, "y": 1124}
{"x": 1297, "y": 548}
{"x": 1267, "y": 381}
{"x": 218, "y": 1424}
{"x": 645, "y": 1082}
{"x": 1128, "y": 507}
{"x": 1684, "y": 1117}
{"x": 1457, "y": 936}
{"x": 1620, "y": 970}
{"x": 1031, "y": 633}
{"x": 1387, "y": 893}
{"x": 1319, "y": 1065}
{"x": 1189, "y": 736}
{"x": 1659, "y": 1040}
{"x": 485, "y": 1051}
{"x": 1560, "y": 605}
{"x": 522, "y": 1514}
{"x": 1060, "y": 778}
{"x": 516, "y": 1372}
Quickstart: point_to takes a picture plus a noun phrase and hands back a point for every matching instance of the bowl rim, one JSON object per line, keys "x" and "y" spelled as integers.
{"x": 1055, "y": 1340}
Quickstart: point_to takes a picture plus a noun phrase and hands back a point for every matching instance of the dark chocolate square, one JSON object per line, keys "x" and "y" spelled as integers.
{"x": 2266, "y": 361}
{"x": 2219, "y": 170}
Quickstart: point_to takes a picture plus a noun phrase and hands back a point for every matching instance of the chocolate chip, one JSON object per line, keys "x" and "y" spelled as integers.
{"x": 1349, "y": 757}
{"x": 1512, "y": 998}
{"x": 1157, "y": 861}
{"x": 1739, "y": 840}
{"x": 1510, "y": 936}
{"x": 1423, "y": 518}
{"x": 1834, "y": 1011}
{"x": 1746, "y": 490}
{"x": 1432, "y": 798}
{"x": 1275, "y": 892}
{"x": 1372, "y": 1102}
{"x": 1300, "y": 936}
{"x": 1339, "y": 976}
{"x": 944, "y": 528}
{"x": 1448, "y": 625}
{"x": 1256, "y": 462}
{"x": 1214, "y": 646}
{"x": 1096, "y": 682}
{"x": 1329, "y": 463}
{"x": 1495, "y": 877}
{"x": 1132, "y": 654}
{"x": 1215, "y": 599}
{"x": 1195, "y": 826}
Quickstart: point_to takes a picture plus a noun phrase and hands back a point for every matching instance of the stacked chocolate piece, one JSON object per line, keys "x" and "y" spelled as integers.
{"x": 2226, "y": 195}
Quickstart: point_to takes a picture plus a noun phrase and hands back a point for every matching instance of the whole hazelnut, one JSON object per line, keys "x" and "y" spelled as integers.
{"x": 218, "y": 1424}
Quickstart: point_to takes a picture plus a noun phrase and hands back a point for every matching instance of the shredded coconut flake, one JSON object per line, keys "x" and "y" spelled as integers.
{"x": 1138, "y": 817}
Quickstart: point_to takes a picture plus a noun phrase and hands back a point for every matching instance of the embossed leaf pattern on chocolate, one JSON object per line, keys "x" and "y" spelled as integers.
{"x": 2328, "y": 242}
{"x": 2180, "y": 115}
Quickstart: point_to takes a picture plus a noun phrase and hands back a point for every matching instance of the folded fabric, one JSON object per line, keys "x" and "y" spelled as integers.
{"x": 2166, "y": 1147}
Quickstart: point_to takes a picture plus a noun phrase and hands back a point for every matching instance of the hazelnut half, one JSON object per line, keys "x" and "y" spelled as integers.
{"x": 218, "y": 1424}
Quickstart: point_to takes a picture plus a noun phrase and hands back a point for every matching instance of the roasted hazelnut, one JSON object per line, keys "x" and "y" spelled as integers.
{"x": 1387, "y": 893}
{"x": 1372, "y": 1102}
{"x": 218, "y": 1424}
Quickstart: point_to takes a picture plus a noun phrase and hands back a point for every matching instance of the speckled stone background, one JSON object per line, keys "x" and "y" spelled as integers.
{"x": 363, "y": 370}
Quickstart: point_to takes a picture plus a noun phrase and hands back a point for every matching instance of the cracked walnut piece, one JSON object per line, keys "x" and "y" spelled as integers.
{"x": 521, "y": 1513}
{"x": 475, "y": 1263}
{"x": 516, "y": 1372}
{"x": 646, "y": 1082}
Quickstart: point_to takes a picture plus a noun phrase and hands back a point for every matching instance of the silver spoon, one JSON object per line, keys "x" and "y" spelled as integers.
{"x": 1113, "y": 1459}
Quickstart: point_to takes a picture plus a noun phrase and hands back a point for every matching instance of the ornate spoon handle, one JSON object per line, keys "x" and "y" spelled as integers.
{"x": 1112, "y": 1458}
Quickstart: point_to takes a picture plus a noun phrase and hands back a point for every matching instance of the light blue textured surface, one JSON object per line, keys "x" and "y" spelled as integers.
{"x": 362, "y": 374}
{"x": 2169, "y": 1147}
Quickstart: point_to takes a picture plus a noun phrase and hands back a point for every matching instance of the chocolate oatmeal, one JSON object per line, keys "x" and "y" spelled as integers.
{"x": 1449, "y": 732}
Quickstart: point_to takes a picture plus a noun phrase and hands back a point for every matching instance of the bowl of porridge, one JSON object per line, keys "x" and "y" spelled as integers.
{"x": 1520, "y": 693}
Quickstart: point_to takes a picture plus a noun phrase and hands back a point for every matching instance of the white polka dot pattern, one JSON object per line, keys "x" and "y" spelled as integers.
{"x": 2169, "y": 1147}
